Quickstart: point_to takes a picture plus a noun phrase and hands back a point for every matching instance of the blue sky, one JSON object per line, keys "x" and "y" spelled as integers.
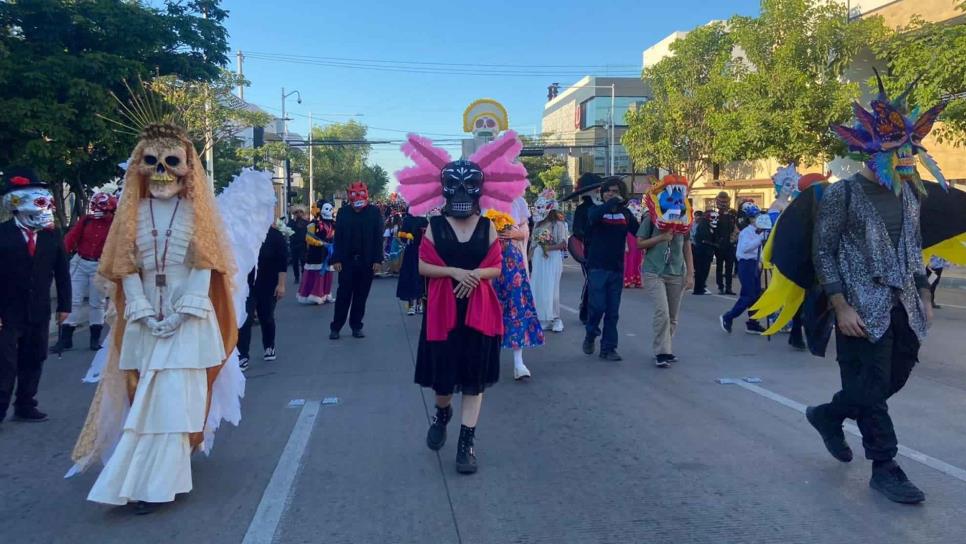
{"x": 571, "y": 35}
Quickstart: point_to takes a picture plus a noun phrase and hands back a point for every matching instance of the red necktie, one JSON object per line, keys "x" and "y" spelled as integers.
{"x": 31, "y": 241}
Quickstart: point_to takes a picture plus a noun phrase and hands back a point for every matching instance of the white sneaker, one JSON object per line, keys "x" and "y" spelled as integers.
{"x": 269, "y": 354}
{"x": 411, "y": 311}
{"x": 557, "y": 325}
{"x": 520, "y": 372}
{"x": 243, "y": 363}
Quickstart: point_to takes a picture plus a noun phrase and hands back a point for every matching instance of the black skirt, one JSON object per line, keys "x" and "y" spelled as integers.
{"x": 466, "y": 362}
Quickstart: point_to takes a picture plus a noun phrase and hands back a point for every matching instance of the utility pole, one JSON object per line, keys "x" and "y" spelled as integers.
{"x": 311, "y": 170}
{"x": 209, "y": 134}
{"x": 240, "y": 57}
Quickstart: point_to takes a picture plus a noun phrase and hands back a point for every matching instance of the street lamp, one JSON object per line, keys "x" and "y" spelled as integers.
{"x": 288, "y": 181}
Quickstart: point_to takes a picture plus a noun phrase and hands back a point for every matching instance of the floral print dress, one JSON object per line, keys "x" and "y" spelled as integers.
{"x": 522, "y": 327}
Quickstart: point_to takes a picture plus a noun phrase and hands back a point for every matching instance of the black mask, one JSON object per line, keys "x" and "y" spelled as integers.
{"x": 462, "y": 184}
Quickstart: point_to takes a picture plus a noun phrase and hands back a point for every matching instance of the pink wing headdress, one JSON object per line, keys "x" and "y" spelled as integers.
{"x": 503, "y": 178}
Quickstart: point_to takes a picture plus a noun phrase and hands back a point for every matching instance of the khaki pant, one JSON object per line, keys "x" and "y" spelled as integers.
{"x": 665, "y": 292}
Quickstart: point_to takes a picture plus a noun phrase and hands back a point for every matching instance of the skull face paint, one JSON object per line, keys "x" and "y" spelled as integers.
{"x": 33, "y": 207}
{"x": 358, "y": 194}
{"x": 462, "y": 185}
{"x": 164, "y": 163}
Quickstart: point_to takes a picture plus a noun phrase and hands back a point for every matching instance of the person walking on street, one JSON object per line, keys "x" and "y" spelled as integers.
{"x": 936, "y": 265}
{"x": 33, "y": 257}
{"x": 357, "y": 257}
{"x": 548, "y": 243}
{"x": 702, "y": 249}
{"x": 749, "y": 261}
{"x": 668, "y": 263}
{"x": 266, "y": 286}
{"x": 725, "y": 240}
{"x": 587, "y": 182}
{"x": 411, "y": 287}
{"x": 608, "y": 225}
{"x": 297, "y": 246}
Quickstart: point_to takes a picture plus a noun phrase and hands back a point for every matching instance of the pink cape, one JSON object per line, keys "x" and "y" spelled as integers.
{"x": 484, "y": 312}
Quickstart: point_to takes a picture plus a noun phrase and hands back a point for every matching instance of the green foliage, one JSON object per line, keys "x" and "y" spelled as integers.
{"x": 336, "y": 166}
{"x": 791, "y": 89}
{"x": 936, "y": 52}
{"x": 537, "y": 168}
{"x": 673, "y": 130}
{"x": 59, "y": 60}
{"x": 377, "y": 179}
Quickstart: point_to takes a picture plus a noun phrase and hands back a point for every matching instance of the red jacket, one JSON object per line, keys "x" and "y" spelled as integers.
{"x": 87, "y": 236}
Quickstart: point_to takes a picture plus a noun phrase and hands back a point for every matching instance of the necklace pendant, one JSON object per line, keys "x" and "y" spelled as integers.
{"x": 160, "y": 280}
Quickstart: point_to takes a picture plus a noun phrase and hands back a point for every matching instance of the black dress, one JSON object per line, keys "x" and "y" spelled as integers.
{"x": 411, "y": 286}
{"x": 467, "y": 361}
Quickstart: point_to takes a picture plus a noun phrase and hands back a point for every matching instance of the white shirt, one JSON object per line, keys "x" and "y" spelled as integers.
{"x": 749, "y": 243}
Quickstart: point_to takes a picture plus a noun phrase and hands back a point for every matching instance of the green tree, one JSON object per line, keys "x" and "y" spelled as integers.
{"x": 936, "y": 52}
{"x": 336, "y": 164}
{"x": 59, "y": 61}
{"x": 538, "y": 166}
{"x": 673, "y": 129}
{"x": 789, "y": 86}
{"x": 377, "y": 179}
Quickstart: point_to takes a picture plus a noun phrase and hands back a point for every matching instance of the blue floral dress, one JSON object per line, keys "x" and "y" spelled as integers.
{"x": 522, "y": 327}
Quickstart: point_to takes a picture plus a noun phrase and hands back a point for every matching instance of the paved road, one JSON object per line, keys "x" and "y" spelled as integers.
{"x": 586, "y": 452}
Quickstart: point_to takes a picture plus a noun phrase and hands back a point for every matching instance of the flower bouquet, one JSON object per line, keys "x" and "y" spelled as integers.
{"x": 545, "y": 239}
{"x": 502, "y": 221}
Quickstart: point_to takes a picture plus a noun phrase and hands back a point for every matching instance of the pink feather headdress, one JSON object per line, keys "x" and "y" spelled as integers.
{"x": 504, "y": 179}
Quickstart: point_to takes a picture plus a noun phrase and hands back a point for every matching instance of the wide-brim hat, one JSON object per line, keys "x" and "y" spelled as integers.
{"x": 18, "y": 178}
{"x": 586, "y": 183}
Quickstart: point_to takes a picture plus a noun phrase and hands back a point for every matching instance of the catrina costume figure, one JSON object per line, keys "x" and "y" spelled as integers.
{"x": 850, "y": 254}
{"x": 459, "y": 346}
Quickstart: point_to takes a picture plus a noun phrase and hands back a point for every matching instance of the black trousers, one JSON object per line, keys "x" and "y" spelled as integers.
{"x": 871, "y": 373}
{"x": 702, "y": 266}
{"x": 934, "y": 285}
{"x": 260, "y": 302}
{"x": 355, "y": 280}
{"x": 584, "y": 307}
{"x": 22, "y": 354}
{"x": 724, "y": 266}
{"x": 298, "y": 260}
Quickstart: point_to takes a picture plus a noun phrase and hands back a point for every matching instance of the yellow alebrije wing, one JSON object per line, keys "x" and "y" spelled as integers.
{"x": 953, "y": 250}
{"x": 783, "y": 294}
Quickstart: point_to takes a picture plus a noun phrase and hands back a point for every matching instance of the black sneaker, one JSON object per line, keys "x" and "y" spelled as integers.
{"x": 730, "y": 292}
{"x": 358, "y": 334}
{"x": 270, "y": 354}
{"x": 892, "y": 482}
{"x": 144, "y": 508}
{"x": 833, "y": 436}
{"x": 589, "y": 345}
{"x": 754, "y": 327}
{"x": 243, "y": 363}
{"x": 663, "y": 360}
{"x": 611, "y": 355}
{"x": 725, "y": 323}
{"x": 333, "y": 335}
{"x": 701, "y": 292}
{"x": 30, "y": 415}
{"x": 797, "y": 344}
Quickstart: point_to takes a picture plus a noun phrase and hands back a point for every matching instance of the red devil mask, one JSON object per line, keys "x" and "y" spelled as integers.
{"x": 103, "y": 204}
{"x": 358, "y": 195}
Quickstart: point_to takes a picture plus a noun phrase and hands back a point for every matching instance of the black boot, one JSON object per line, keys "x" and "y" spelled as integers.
{"x": 96, "y": 337}
{"x": 65, "y": 340}
{"x": 465, "y": 456}
{"x": 436, "y": 436}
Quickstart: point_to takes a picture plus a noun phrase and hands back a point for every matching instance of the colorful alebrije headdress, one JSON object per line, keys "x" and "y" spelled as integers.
{"x": 667, "y": 204}
{"x": 503, "y": 178}
{"x": 889, "y": 138}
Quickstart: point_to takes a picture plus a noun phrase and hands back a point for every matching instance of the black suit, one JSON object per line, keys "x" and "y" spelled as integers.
{"x": 358, "y": 246}
{"x": 25, "y": 309}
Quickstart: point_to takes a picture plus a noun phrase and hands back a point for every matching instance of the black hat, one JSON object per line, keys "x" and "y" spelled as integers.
{"x": 16, "y": 178}
{"x": 587, "y": 182}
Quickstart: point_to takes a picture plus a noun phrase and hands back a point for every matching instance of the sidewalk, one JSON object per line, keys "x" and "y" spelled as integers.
{"x": 954, "y": 277}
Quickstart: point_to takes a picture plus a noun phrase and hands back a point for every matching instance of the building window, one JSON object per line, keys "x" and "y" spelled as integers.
{"x": 595, "y": 112}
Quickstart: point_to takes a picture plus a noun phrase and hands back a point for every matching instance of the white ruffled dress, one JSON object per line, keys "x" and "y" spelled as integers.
{"x": 152, "y": 462}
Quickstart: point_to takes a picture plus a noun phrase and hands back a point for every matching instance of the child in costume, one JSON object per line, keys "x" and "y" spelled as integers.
{"x": 459, "y": 346}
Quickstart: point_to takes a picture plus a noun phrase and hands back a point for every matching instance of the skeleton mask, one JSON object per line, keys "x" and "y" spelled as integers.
{"x": 326, "y": 211}
{"x": 462, "y": 186}
{"x": 102, "y": 204}
{"x": 544, "y": 205}
{"x": 164, "y": 164}
{"x": 485, "y": 126}
{"x": 358, "y": 195}
{"x": 33, "y": 207}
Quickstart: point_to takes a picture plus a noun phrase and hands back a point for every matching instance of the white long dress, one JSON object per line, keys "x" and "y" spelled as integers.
{"x": 151, "y": 462}
{"x": 547, "y": 269}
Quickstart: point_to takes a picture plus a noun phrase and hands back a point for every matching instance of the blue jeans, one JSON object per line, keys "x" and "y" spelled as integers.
{"x": 750, "y": 287}
{"x": 604, "y": 289}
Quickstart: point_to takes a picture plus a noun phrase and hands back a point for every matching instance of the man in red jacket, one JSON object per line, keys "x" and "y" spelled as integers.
{"x": 86, "y": 240}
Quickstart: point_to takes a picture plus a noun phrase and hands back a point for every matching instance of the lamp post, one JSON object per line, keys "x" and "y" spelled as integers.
{"x": 288, "y": 182}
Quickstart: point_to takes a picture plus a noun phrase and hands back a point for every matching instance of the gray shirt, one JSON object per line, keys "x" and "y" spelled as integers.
{"x": 666, "y": 258}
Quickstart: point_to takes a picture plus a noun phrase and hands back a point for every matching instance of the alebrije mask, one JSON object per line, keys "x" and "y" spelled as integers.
{"x": 667, "y": 204}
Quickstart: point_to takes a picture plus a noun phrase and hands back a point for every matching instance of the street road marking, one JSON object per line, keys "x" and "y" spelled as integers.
{"x": 915, "y": 455}
{"x": 952, "y": 306}
{"x": 726, "y": 297}
{"x": 279, "y": 489}
{"x": 569, "y": 309}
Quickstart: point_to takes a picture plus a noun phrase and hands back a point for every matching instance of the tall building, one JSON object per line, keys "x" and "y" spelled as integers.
{"x": 577, "y": 125}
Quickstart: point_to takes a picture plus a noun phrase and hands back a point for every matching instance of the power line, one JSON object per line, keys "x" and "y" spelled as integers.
{"x": 417, "y": 62}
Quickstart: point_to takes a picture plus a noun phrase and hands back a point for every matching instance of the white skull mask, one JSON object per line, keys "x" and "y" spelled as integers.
{"x": 164, "y": 164}
{"x": 326, "y": 211}
{"x": 33, "y": 207}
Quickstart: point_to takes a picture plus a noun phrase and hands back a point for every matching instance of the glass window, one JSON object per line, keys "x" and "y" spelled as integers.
{"x": 595, "y": 112}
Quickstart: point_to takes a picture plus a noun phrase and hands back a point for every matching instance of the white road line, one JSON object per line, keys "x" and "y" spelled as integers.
{"x": 726, "y": 297}
{"x": 279, "y": 489}
{"x": 569, "y": 309}
{"x": 915, "y": 455}
{"x": 952, "y": 306}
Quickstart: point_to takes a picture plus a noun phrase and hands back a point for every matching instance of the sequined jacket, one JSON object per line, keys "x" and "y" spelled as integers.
{"x": 854, "y": 255}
